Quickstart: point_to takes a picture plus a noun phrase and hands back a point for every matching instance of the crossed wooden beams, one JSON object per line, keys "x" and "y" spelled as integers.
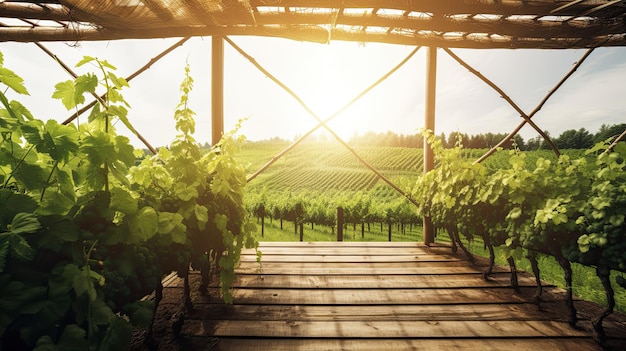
{"x": 526, "y": 118}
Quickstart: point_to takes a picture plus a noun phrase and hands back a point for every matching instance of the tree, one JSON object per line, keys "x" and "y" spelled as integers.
{"x": 607, "y": 132}
{"x": 574, "y": 139}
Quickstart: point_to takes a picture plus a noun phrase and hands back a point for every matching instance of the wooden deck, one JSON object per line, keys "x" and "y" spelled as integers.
{"x": 377, "y": 296}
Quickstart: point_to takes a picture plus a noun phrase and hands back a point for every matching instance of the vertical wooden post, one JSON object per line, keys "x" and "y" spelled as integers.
{"x": 339, "y": 223}
{"x": 429, "y": 123}
{"x": 217, "y": 89}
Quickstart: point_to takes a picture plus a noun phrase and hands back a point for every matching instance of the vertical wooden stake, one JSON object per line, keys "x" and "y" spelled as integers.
{"x": 217, "y": 89}
{"x": 339, "y": 223}
{"x": 429, "y": 123}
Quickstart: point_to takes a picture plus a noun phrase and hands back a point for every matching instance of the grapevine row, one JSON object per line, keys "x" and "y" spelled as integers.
{"x": 86, "y": 233}
{"x": 573, "y": 209}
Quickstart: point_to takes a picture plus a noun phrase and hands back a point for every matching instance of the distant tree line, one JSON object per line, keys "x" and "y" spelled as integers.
{"x": 569, "y": 139}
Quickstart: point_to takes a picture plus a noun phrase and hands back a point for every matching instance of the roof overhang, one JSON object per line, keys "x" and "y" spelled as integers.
{"x": 512, "y": 24}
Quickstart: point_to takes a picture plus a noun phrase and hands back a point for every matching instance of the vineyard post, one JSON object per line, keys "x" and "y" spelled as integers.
{"x": 262, "y": 212}
{"x": 217, "y": 89}
{"x": 429, "y": 124}
{"x": 339, "y": 223}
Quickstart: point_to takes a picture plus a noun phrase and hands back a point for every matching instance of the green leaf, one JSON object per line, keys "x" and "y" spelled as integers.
{"x": 13, "y": 81}
{"x": 83, "y": 283}
{"x": 85, "y": 83}
{"x": 106, "y": 64}
{"x": 185, "y": 192}
{"x": 65, "y": 91}
{"x": 202, "y": 215}
{"x": 123, "y": 201}
{"x": 172, "y": 224}
{"x": 45, "y": 343}
{"x": 24, "y": 223}
{"x": 61, "y": 228}
{"x": 20, "y": 111}
{"x": 583, "y": 243}
{"x": 54, "y": 202}
{"x": 119, "y": 82}
{"x": 515, "y": 213}
{"x": 144, "y": 225}
{"x": 221, "y": 221}
{"x": 32, "y": 176}
{"x": 100, "y": 312}
{"x": 20, "y": 248}
{"x": 118, "y": 335}
{"x": 59, "y": 141}
{"x": 4, "y": 250}
{"x": 73, "y": 338}
{"x": 13, "y": 203}
{"x": 141, "y": 313}
{"x": 84, "y": 60}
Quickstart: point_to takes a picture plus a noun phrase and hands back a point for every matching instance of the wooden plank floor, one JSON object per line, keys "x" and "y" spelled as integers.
{"x": 378, "y": 296}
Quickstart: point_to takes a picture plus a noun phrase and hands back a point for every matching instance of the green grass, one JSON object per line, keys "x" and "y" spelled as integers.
{"x": 323, "y": 233}
{"x": 585, "y": 282}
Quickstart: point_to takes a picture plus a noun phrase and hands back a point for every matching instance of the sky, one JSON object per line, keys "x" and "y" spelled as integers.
{"x": 326, "y": 76}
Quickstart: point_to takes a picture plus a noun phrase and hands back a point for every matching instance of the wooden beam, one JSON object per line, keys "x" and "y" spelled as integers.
{"x": 519, "y": 27}
{"x": 309, "y": 33}
{"x": 505, "y": 7}
{"x": 429, "y": 123}
{"x": 217, "y": 89}
{"x": 34, "y": 11}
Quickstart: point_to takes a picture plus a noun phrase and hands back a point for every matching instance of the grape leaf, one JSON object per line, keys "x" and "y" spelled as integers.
{"x": 66, "y": 92}
{"x": 83, "y": 283}
{"x": 123, "y": 201}
{"x": 24, "y": 223}
{"x": 144, "y": 225}
{"x": 118, "y": 335}
{"x": 141, "y": 313}
{"x": 13, "y": 81}
{"x": 73, "y": 338}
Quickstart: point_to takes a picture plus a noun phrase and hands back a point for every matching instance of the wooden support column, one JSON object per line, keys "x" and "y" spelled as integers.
{"x": 339, "y": 223}
{"x": 217, "y": 89}
{"x": 429, "y": 123}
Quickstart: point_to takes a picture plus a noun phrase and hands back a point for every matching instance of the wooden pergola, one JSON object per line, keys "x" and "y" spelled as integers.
{"x": 512, "y": 24}
{"x": 445, "y": 24}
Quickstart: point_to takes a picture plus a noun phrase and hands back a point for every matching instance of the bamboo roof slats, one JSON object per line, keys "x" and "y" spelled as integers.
{"x": 358, "y": 307}
{"x": 511, "y": 24}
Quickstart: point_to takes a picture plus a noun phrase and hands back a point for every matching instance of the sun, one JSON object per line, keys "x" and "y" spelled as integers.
{"x": 331, "y": 84}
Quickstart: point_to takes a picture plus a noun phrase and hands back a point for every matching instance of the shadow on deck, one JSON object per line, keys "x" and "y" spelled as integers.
{"x": 375, "y": 296}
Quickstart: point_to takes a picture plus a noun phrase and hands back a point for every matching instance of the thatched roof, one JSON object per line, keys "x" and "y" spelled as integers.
{"x": 545, "y": 24}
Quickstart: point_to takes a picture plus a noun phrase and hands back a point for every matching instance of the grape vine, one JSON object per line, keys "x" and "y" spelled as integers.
{"x": 85, "y": 234}
{"x": 570, "y": 208}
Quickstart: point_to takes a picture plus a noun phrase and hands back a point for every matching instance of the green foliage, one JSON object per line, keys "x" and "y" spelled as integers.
{"x": 201, "y": 195}
{"x": 85, "y": 234}
{"x": 571, "y": 208}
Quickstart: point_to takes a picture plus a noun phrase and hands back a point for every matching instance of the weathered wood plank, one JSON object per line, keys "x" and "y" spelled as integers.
{"x": 483, "y": 344}
{"x": 399, "y": 266}
{"x": 375, "y": 281}
{"x": 369, "y": 250}
{"x": 353, "y": 258}
{"x": 382, "y": 329}
{"x": 366, "y": 296}
{"x": 479, "y": 312}
{"x": 346, "y": 269}
{"x": 347, "y": 244}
